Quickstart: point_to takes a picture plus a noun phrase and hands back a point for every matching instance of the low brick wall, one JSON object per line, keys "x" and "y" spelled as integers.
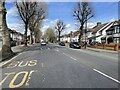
{"x": 114, "y": 47}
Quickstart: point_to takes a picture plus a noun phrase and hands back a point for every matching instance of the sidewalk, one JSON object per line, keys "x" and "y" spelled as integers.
{"x": 20, "y": 48}
{"x": 102, "y": 50}
{"x": 98, "y": 50}
{"x": 15, "y": 49}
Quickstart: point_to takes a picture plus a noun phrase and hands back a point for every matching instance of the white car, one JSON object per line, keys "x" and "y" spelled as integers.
{"x": 43, "y": 43}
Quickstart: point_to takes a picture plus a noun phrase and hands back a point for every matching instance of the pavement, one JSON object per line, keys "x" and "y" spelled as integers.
{"x": 54, "y": 66}
{"x": 100, "y": 50}
{"x": 17, "y": 50}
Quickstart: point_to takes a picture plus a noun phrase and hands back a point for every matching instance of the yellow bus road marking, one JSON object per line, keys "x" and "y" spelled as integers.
{"x": 29, "y": 63}
{"x": 25, "y": 79}
{"x": 12, "y": 85}
{"x": 8, "y": 74}
{"x": 29, "y": 77}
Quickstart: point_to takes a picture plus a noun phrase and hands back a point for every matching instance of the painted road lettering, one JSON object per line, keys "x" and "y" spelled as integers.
{"x": 23, "y": 64}
{"x": 26, "y": 75}
{"x": 25, "y": 79}
{"x": 7, "y": 75}
{"x": 12, "y": 85}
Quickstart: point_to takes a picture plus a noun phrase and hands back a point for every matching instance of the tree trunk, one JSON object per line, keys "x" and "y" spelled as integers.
{"x": 37, "y": 36}
{"x": 26, "y": 27}
{"x": 31, "y": 37}
{"x": 6, "y": 47}
{"x": 81, "y": 33}
{"x": 58, "y": 36}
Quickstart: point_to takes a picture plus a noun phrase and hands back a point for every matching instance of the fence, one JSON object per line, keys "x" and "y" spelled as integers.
{"x": 114, "y": 47}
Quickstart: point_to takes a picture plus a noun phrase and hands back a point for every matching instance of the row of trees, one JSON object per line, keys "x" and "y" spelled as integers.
{"x": 82, "y": 13}
{"x": 50, "y": 32}
{"x": 32, "y": 14}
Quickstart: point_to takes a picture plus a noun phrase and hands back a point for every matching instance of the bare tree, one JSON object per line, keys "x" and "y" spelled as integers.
{"x": 50, "y": 35}
{"x": 35, "y": 23}
{"x": 6, "y": 47}
{"x": 37, "y": 33}
{"x": 26, "y": 11}
{"x": 83, "y": 13}
{"x": 60, "y": 26}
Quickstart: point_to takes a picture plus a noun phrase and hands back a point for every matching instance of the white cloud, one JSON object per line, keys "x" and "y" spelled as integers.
{"x": 113, "y": 19}
{"x": 68, "y": 26}
{"x": 44, "y": 28}
{"x": 13, "y": 11}
{"x": 90, "y": 25}
{"x": 17, "y": 27}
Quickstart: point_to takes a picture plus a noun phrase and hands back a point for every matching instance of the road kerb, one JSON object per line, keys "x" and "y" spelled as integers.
{"x": 6, "y": 62}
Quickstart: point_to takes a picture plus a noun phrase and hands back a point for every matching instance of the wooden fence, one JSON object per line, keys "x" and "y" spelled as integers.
{"x": 114, "y": 47}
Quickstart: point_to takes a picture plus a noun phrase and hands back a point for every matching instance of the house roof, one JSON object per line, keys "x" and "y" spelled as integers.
{"x": 98, "y": 27}
{"x": 76, "y": 33}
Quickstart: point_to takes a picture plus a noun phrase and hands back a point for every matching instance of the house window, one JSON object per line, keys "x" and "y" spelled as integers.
{"x": 103, "y": 40}
{"x": 117, "y": 29}
{"x": 116, "y": 40}
{"x": 110, "y": 32}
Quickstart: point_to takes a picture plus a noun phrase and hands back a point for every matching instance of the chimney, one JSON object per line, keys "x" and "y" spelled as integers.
{"x": 99, "y": 23}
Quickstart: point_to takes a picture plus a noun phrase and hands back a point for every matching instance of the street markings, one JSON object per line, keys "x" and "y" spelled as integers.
{"x": 12, "y": 85}
{"x": 70, "y": 56}
{"x": 48, "y": 48}
{"x": 25, "y": 79}
{"x": 73, "y": 58}
{"x": 1, "y": 64}
{"x": 107, "y": 76}
{"x": 42, "y": 65}
{"x": 29, "y": 77}
{"x": 26, "y": 75}
{"x": 57, "y": 50}
{"x": 8, "y": 74}
{"x": 22, "y": 64}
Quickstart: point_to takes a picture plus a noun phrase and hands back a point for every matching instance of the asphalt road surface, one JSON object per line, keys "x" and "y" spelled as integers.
{"x": 55, "y": 66}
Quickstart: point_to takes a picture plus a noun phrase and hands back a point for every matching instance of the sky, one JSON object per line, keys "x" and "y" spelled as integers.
{"x": 103, "y": 12}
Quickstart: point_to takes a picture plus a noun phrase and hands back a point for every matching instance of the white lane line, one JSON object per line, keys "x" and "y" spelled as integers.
{"x": 106, "y": 75}
{"x": 57, "y": 50}
{"x": 70, "y": 56}
{"x": 42, "y": 65}
{"x": 48, "y": 48}
{"x": 73, "y": 58}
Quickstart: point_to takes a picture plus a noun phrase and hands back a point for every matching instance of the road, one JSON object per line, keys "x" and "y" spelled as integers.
{"x": 55, "y": 66}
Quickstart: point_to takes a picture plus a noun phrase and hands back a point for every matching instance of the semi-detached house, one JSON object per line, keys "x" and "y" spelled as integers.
{"x": 105, "y": 33}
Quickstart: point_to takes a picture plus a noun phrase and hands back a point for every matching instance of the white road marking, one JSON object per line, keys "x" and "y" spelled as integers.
{"x": 70, "y": 57}
{"x": 3, "y": 63}
{"x": 48, "y": 48}
{"x": 73, "y": 58}
{"x": 57, "y": 50}
{"x": 106, "y": 75}
{"x": 42, "y": 65}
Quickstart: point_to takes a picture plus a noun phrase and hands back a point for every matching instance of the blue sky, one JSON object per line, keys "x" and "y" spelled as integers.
{"x": 103, "y": 12}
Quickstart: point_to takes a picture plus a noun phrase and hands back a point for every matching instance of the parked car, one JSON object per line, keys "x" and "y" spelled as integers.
{"x": 62, "y": 44}
{"x": 43, "y": 43}
{"x": 74, "y": 45}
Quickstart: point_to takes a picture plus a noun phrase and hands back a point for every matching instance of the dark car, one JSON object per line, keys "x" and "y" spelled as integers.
{"x": 74, "y": 45}
{"x": 62, "y": 44}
